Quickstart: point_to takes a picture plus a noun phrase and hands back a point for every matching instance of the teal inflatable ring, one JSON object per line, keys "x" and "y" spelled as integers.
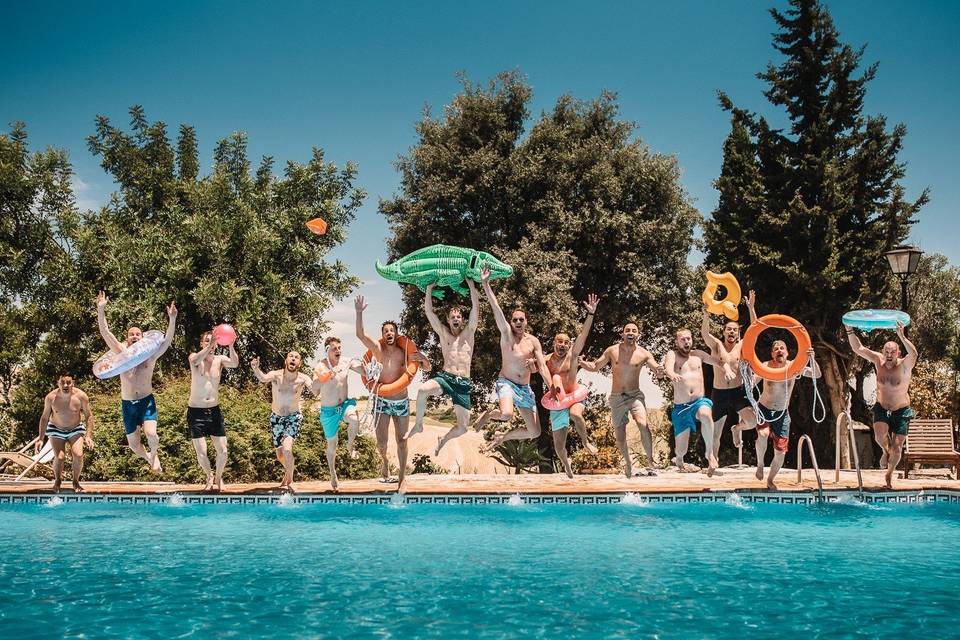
{"x": 870, "y": 319}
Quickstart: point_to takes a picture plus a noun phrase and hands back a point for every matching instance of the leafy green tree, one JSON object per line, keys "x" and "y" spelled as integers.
{"x": 805, "y": 213}
{"x": 579, "y": 205}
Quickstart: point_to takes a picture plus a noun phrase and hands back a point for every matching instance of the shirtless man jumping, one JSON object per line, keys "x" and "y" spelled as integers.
{"x": 287, "y": 386}
{"x": 336, "y": 405}
{"x": 627, "y": 359}
{"x": 728, "y": 397}
{"x": 517, "y": 348}
{"x": 456, "y": 343}
{"x": 64, "y": 411}
{"x": 136, "y": 385}
{"x": 395, "y": 407}
{"x": 892, "y": 412}
{"x": 204, "y": 418}
{"x": 563, "y": 364}
{"x": 684, "y": 365}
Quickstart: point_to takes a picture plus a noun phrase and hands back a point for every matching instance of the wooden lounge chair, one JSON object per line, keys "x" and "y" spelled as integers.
{"x": 931, "y": 442}
{"x": 25, "y": 459}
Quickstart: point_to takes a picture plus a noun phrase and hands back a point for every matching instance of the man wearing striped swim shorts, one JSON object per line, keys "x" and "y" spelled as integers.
{"x": 64, "y": 410}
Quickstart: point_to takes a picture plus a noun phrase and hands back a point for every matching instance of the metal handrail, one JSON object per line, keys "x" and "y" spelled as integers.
{"x": 854, "y": 452}
{"x": 813, "y": 457}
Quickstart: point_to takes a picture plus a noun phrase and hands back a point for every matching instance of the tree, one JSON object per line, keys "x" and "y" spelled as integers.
{"x": 805, "y": 214}
{"x": 228, "y": 247}
{"x": 578, "y": 206}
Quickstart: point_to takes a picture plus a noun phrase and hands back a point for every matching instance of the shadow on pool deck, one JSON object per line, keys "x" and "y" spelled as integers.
{"x": 666, "y": 480}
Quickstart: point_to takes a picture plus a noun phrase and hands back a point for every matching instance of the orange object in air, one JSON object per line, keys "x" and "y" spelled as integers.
{"x": 401, "y": 383}
{"x": 317, "y": 225}
{"x": 748, "y": 349}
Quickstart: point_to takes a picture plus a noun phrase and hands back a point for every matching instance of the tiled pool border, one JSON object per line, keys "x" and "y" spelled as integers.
{"x": 746, "y": 496}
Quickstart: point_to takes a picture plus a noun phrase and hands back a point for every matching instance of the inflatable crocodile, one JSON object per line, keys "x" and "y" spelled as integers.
{"x": 443, "y": 266}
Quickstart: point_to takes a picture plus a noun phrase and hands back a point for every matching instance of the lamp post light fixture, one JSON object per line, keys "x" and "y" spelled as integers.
{"x": 904, "y": 260}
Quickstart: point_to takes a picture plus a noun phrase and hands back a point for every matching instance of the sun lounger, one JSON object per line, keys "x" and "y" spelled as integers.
{"x": 931, "y": 442}
{"x": 28, "y": 461}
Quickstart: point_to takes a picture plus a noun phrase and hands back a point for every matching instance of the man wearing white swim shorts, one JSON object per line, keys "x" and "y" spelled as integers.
{"x": 517, "y": 348}
{"x": 287, "y": 387}
{"x": 64, "y": 410}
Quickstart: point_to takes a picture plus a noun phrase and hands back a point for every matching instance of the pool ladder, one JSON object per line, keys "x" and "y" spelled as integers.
{"x": 854, "y": 453}
{"x": 813, "y": 457}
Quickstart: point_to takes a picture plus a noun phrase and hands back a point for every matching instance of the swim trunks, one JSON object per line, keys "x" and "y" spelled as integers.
{"x": 205, "y": 422}
{"x": 331, "y": 417}
{"x": 779, "y": 428}
{"x": 898, "y": 421}
{"x": 623, "y": 403}
{"x": 684, "y": 415}
{"x": 64, "y": 433}
{"x": 457, "y": 387}
{"x": 136, "y": 412}
{"x": 283, "y": 426}
{"x": 523, "y": 397}
{"x": 728, "y": 402}
{"x": 399, "y": 408}
{"x": 559, "y": 419}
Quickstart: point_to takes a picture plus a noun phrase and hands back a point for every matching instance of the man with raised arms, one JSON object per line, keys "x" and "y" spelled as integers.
{"x": 728, "y": 397}
{"x": 395, "y": 407}
{"x": 336, "y": 406}
{"x": 627, "y": 359}
{"x": 684, "y": 366}
{"x": 65, "y": 409}
{"x": 562, "y": 365}
{"x": 456, "y": 343}
{"x": 286, "y": 418}
{"x": 136, "y": 385}
{"x": 204, "y": 418}
{"x": 517, "y": 348}
{"x": 891, "y": 412}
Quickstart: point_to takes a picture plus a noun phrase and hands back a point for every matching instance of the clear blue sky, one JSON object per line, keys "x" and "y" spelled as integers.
{"x": 353, "y": 79}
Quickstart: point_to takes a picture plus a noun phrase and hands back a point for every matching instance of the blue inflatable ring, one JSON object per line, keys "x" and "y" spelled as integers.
{"x": 870, "y": 319}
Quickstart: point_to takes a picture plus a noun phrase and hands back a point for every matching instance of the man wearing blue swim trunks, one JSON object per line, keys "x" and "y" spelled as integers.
{"x": 136, "y": 385}
{"x": 286, "y": 417}
{"x": 330, "y": 385}
{"x": 892, "y": 412}
{"x": 517, "y": 348}
{"x": 684, "y": 366}
{"x": 563, "y": 364}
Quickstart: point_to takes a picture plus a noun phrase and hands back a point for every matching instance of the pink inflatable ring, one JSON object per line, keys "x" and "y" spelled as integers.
{"x": 567, "y": 400}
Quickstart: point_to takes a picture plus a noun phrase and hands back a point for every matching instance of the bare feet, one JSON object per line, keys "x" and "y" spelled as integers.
{"x": 417, "y": 428}
{"x": 209, "y": 484}
{"x": 771, "y": 485}
{"x": 759, "y": 473}
{"x": 56, "y": 486}
{"x": 884, "y": 459}
{"x": 889, "y": 478}
{"x": 155, "y": 462}
{"x": 711, "y": 466}
{"x": 436, "y": 450}
{"x": 77, "y": 488}
{"x": 333, "y": 482}
{"x": 737, "y": 436}
{"x": 493, "y": 444}
{"x": 482, "y": 420}
{"x": 591, "y": 448}
{"x": 218, "y": 485}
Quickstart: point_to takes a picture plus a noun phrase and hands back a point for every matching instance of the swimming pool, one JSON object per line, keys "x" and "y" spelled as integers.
{"x": 643, "y": 569}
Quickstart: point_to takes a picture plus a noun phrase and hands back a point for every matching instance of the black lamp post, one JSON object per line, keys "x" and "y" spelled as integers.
{"x": 903, "y": 259}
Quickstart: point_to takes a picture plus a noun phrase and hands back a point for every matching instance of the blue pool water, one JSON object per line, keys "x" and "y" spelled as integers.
{"x": 498, "y": 571}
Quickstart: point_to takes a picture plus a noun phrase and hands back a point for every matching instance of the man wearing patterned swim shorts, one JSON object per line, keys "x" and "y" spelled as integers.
{"x": 64, "y": 411}
{"x": 627, "y": 360}
{"x": 330, "y": 385}
{"x": 456, "y": 343}
{"x": 517, "y": 348}
{"x": 684, "y": 366}
{"x": 286, "y": 418}
{"x": 892, "y": 412}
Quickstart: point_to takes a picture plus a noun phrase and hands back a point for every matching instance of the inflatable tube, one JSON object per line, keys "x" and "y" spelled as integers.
{"x": 567, "y": 400}
{"x": 113, "y": 364}
{"x": 401, "y": 383}
{"x": 444, "y": 266}
{"x": 870, "y": 319}
{"x": 317, "y": 225}
{"x": 748, "y": 349}
{"x": 728, "y": 305}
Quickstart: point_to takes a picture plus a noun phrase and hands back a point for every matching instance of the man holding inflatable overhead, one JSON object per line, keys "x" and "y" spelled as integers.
{"x": 563, "y": 364}
{"x": 395, "y": 406}
{"x": 204, "y": 418}
{"x": 456, "y": 343}
{"x": 336, "y": 406}
{"x": 136, "y": 385}
{"x": 627, "y": 359}
{"x": 892, "y": 412}
{"x": 517, "y": 348}
{"x": 773, "y": 409}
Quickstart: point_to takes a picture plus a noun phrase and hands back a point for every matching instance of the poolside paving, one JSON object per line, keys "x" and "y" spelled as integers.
{"x": 666, "y": 481}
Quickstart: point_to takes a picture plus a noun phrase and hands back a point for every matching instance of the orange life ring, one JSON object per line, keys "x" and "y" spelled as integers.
{"x": 748, "y": 350}
{"x": 727, "y": 306}
{"x": 401, "y": 383}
